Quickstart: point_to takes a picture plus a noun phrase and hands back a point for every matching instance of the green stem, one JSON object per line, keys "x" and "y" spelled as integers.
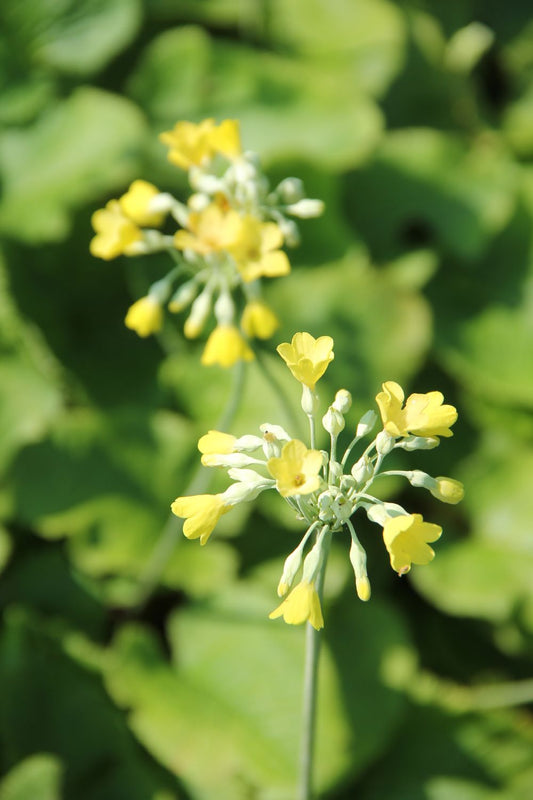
{"x": 313, "y": 639}
{"x": 201, "y": 479}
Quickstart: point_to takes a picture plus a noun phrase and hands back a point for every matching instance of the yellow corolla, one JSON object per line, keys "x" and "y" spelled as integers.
{"x": 210, "y": 230}
{"x": 193, "y": 144}
{"x": 115, "y": 232}
{"x": 145, "y": 316}
{"x": 307, "y": 357}
{"x": 216, "y": 442}
{"x": 297, "y": 470}
{"x": 258, "y": 320}
{"x": 201, "y": 513}
{"x": 406, "y": 538}
{"x": 257, "y": 250}
{"x": 136, "y": 204}
{"x": 301, "y": 605}
{"x": 447, "y": 490}
{"x": 422, "y": 415}
{"x": 225, "y": 346}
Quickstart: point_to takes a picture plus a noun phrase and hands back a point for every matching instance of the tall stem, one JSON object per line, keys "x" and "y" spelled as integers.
{"x": 313, "y": 639}
{"x": 201, "y": 479}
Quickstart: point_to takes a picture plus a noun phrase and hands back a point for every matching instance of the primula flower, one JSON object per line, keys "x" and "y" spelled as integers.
{"x": 448, "y": 490}
{"x": 423, "y": 414}
{"x": 201, "y": 512}
{"x": 406, "y": 538}
{"x": 301, "y": 605}
{"x": 307, "y": 357}
{"x": 136, "y": 204}
{"x": 256, "y": 250}
{"x": 225, "y": 347}
{"x": 209, "y": 231}
{"x": 194, "y": 144}
{"x": 145, "y": 316}
{"x": 297, "y": 469}
{"x": 115, "y": 232}
{"x": 216, "y": 442}
{"x": 258, "y": 320}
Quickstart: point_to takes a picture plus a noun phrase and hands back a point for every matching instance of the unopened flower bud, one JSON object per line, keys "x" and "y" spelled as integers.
{"x": 309, "y": 401}
{"x": 418, "y": 443}
{"x": 447, "y": 490}
{"x": 384, "y": 443}
{"x": 358, "y": 561}
{"x": 199, "y": 312}
{"x": 306, "y": 208}
{"x": 343, "y": 401}
{"x": 333, "y": 421}
{"x": 224, "y": 308}
{"x": 289, "y": 230}
{"x": 362, "y": 471}
{"x": 290, "y": 190}
{"x": 292, "y": 564}
{"x": 366, "y": 423}
{"x": 183, "y": 296}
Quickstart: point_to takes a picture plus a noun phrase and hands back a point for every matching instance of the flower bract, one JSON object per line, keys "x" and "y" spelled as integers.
{"x": 297, "y": 469}
{"x": 406, "y": 538}
{"x": 307, "y": 357}
{"x": 301, "y": 605}
{"x": 422, "y": 415}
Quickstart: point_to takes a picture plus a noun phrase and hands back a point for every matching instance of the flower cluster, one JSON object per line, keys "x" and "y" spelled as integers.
{"x": 321, "y": 487}
{"x": 230, "y": 235}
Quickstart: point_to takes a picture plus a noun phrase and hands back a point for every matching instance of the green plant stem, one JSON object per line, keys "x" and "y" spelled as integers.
{"x": 313, "y": 639}
{"x": 201, "y": 479}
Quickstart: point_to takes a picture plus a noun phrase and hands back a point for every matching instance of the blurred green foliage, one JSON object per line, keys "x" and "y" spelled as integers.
{"x": 413, "y": 120}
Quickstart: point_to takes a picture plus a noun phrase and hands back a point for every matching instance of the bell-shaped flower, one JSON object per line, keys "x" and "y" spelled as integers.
{"x": 225, "y": 346}
{"x": 422, "y": 415}
{"x": 307, "y": 357}
{"x": 406, "y": 538}
{"x": 194, "y": 144}
{"x": 258, "y": 320}
{"x": 136, "y": 204}
{"x": 301, "y": 605}
{"x": 115, "y": 232}
{"x": 201, "y": 513}
{"x": 145, "y": 316}
{"x": 296, "y": 470}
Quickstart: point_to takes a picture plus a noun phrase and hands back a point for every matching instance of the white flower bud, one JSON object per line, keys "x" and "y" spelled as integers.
{"x": 160, "y": 290}
{"x": 384, "y": 443}
{"x": 289, "y": 229}
{"x": 183, "y": 296}
{"x": 199, "y": 312}
{"x": 248, "y": 443}
{"x": 343, "y": 401}
{"x": 358, "y": 561}
{"x": 420, "y": 479}
{"x": 309, "y": 401}
{"x": 224, "y": 308}
{"x": 198, "y": 201}
{"x": 290, "y": 190}
{"x": 306, "y": 208}
{"x": 362, "y": 471}
{"x": 333, "y": 421}
{"x": 366, "y": 423}
{"x": 292, "y": 564}
{"x": 418, "y": 443}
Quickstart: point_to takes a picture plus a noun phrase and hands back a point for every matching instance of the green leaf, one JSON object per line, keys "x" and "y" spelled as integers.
{"x": 37, "y": 776}
{"x": 80, "y": 148}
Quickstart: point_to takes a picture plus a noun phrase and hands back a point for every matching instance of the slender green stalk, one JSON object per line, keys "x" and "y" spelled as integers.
{"x": 313, "y": 640}
{"x": 201, "y": 479}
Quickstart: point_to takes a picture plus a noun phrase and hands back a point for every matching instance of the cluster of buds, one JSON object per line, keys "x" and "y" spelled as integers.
{"x": 230, "y": 234}
{"x": 324, "y": 489}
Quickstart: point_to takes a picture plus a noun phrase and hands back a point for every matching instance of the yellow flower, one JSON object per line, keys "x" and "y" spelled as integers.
{"x": 300, "y": 605}
{"x": 135, "y": 204}
{"x": 258, "y": 320}
{"x": 256, "y": 250}
{"x": 297, "y": 469}
{"x": 225, "y": 347}
{"x": 201, "y": 512}
{"x": 216, "y": 442}
{"x": 423, "y": 414}
{"x": 210, "y": 230}
{"x": 194, "y": 144}
{"x": 115, "y": 232}
{"x": 448, "y": 490}
{"x": 306, "y": 357}
{"x": 406, "y": 538}
{"x": 145, "y": 316}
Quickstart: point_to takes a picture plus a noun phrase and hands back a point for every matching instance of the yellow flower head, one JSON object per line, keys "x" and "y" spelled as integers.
{"x": 115, "y": 232}
{"x": 201, "y": 512}
{"x": 145, "y": 316}
{"x": 297, "y": 469}
{"x": 225, "y": 347}
{"x": 216, "y": 442}
{"x": 406, "y": 538}
{"x": 136, "y": 202}
{"x": 257, "y": 250}
{"x": 300, "y": 605}
{"x": 423, "y": 414}
{"x": 210, "y": 230}
{"x": 195, "y": 144}
{"x": 258, "y": 320}
{"x": 306, "y": 357}
{"x": 448, "y": 490}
